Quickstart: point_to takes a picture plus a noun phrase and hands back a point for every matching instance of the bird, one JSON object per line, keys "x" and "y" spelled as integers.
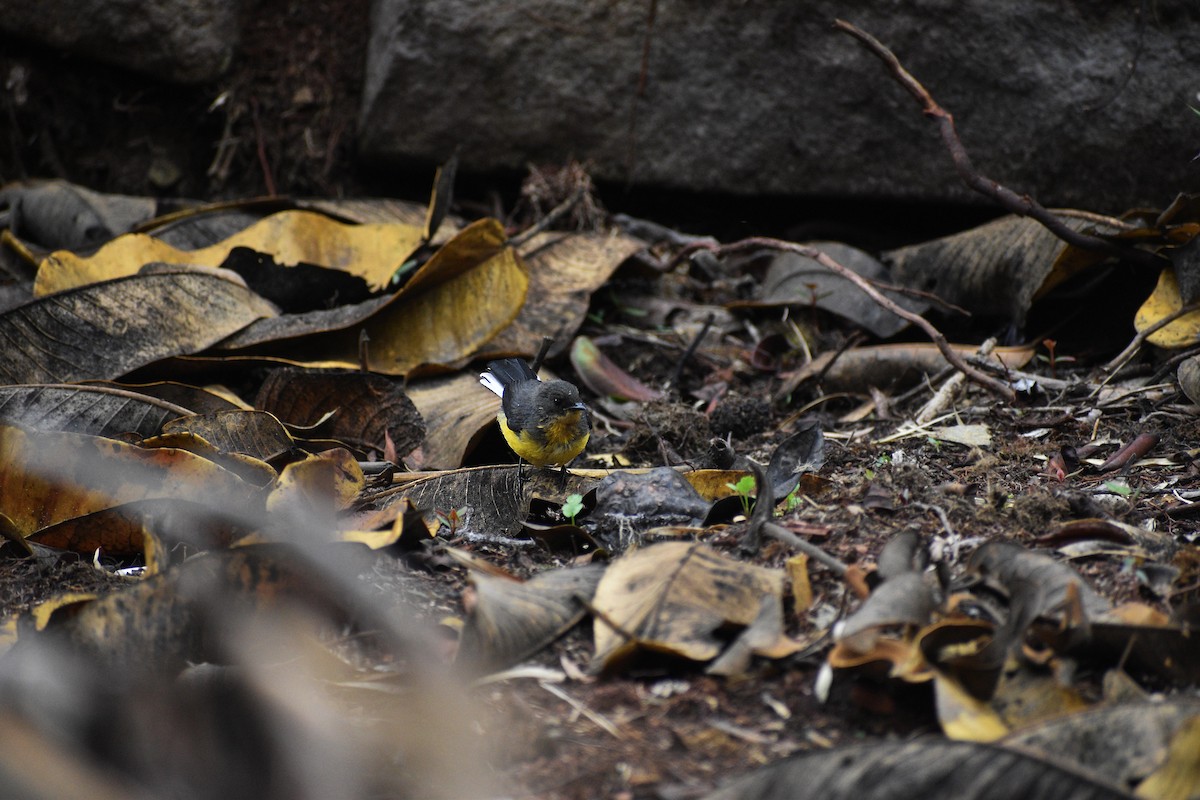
{"x": 544, "y": 422}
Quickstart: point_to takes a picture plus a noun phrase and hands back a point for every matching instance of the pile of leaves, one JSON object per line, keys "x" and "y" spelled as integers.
{"x": 250, "y": 441}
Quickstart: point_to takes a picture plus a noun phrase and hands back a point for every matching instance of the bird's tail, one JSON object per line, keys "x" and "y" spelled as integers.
{"x": 504, "y": 373}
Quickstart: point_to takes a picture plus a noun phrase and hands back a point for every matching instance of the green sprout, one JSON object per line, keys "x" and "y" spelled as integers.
{"x": 743, "y": 489}
{"x": 572, "y": 507}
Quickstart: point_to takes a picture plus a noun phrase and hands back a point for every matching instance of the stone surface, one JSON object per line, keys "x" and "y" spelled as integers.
{"x": 182, "y": 41}
{"x": 1082, "y": 104}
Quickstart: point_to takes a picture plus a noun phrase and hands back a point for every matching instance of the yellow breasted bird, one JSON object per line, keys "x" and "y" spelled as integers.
{"x": 544, "y": 422}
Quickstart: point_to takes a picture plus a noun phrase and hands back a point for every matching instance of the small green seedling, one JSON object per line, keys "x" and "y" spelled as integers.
{"x": 572, "y": 507}
{"x": 451, "y": 519}
{"x": 744, "y": 489}
{"x": 1118, "y": 488}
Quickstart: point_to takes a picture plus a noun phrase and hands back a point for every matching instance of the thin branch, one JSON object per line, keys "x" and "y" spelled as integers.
{"x": 1131, "y": 350}
{"x": 1000, "y": 388}
{"x": 1022, "y": 205}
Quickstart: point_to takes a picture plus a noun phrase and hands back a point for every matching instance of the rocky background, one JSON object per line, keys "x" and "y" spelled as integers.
{"x": 1083, "y": 105}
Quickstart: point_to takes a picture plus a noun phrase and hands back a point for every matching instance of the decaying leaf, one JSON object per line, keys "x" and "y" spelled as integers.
{"x": 928, "y": 768}
{"x": 674, "y": 598}
{"x": 371, "y": 251}
{"x": 564, "y": 270}
{"x": 252, "y": 433}
{"x": 1164, "y": 301}
{"x": 98, "y": 410}
{"x": 50, "y": 477}
{"x": 997, "y": 268}
{"x": 453, "y": 304}
{"x": 795, "y": 280}
{"x": 107, "y": 329}
{"x": 511, "y": 620}
{"x": 364, "y": 410}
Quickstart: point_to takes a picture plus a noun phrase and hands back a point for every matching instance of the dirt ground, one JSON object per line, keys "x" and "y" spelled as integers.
{"x": 669, "y": 731}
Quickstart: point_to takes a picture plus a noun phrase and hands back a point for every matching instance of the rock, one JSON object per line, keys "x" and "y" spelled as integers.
{"x": 1077, "y": 104}
{"x": 181, "y": 41}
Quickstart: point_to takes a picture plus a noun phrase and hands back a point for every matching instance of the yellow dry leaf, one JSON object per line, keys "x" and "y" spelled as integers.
{"x": 372, "y": 251}
{"x": 1179, "y": 777}
{"x": 1162, "y": 302}
{"x": 962, "y": 716}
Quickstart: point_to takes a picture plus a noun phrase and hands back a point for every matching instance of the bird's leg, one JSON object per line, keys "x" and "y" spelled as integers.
{"x": 562, "y": 478}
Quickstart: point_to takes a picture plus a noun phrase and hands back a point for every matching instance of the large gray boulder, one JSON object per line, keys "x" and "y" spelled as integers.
{"x": 181, "y": 41}
{"x": 1082, "y": 104}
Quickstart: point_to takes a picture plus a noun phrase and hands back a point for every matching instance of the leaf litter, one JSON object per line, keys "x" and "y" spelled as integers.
{"x": 801, "y": 526}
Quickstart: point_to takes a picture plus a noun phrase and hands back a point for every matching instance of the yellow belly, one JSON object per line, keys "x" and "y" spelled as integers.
{"x": 563, "y": 441}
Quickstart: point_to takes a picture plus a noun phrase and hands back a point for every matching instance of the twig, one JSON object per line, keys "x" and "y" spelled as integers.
{"x": 687, "y": 354}
{"x": 998, "y": 387}
{"x": 1131, "y": 350}
{"x": 262, "y": 150}
{"x": 760, "y": 525}
{"x": 552, "y": 216}
{"x": 1022, "y": 205}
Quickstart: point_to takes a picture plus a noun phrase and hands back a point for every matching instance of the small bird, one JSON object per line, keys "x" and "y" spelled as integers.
{"x": 544, "y": 422}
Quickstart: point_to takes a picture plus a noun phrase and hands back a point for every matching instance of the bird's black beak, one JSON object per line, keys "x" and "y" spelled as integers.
{"x": 577, "y": 407}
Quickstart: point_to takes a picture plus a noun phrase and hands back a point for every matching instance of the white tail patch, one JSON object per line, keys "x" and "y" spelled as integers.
{"x": 492, "y": 383}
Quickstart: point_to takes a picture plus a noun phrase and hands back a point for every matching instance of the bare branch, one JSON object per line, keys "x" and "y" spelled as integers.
{"x": 1022, "y": 205}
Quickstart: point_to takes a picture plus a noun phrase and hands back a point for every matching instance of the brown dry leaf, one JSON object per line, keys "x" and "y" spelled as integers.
{"x": 364, "y": 410}
{"x": 50, "y": 477}
{"x": 494, "y": 502}
{"x": 564, "y": 270}
{"x": 512, "y": 620}
{"x": 798, "y": 281}
{"x": 372, "y": 251}
{"x": 929, "y": 768}
{"x": 409, "y": 528}
{"x": 107, "y": 329}
{"x": 963, "y": 716}
{"x": 456, "y": 411}
{"x": 997, "y": 268}
{"x": 889, "y": 365}
{"x": 252, "y": 433}
{"x": 1125, "y": 743}
{"x": 904, "y": 600}
{"x": 454, "y": 304}
{"x": 318, "y": 485}
{"x": 197, "y": 399}
{"x": 1164, "y": 301}
{"x": 176, "y": 617}
{"x": 672, "y": 598}
{"x": 161, "y": 530}
{"x": 98, "y": 410}
{"x": 250, "y": 469}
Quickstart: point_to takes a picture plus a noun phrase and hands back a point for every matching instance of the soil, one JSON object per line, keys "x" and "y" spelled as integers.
{"x": 285, "y": 124}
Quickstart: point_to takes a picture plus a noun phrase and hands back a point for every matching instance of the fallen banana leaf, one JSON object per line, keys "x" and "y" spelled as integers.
{"x": 50, "y": 477}
{"x": 107, "y": 329}
{"x": 928, "y": 768}
{"x": 454, "y": 304}
{"x": 252, "y": 433}
{"x": 565, "y": 269}
{"x": 672, "y": 598}
{"x": 1164, "y": 301}
{"x": 797, "y": 281}
{"x": 512, "y": 620}
{"x": 371, "y": 251}
{"x": 365, "y": 411}
{"x": 97, "y": 410}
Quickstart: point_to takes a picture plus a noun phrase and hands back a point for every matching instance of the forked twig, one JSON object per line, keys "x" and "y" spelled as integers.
{"x": 954, "y": 358}
{"x": 1022, "y": 205}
